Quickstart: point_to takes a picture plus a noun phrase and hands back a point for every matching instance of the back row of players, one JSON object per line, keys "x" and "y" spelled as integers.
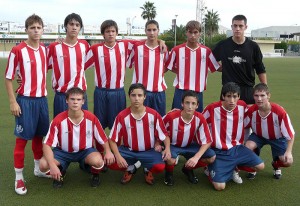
{"x": 139, "y": 128}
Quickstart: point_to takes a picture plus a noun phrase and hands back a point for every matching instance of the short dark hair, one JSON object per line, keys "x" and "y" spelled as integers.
{"x": 108, "y": 23}
{"x": 74, "y": 90}
{"x": 230, "y": 87}
{"x": 239, "y": 17}
{"x": 33, "y": 19}
{"x": 189, "y": 93}
{"x": 152, "y": 21}
{"x": 136, "y": 86}
{"x": 261, "y": 87}
{"x": 71, "y": 17}
{"x": 193, "y": 25}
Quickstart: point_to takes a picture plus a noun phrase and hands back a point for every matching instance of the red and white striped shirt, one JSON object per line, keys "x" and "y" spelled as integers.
{"x": 192, "y": 66}
{"x": 68, "y": 65}
{"x": 275, "y": 125}
{"x": 138, "y": 134}
{"x": 183, "y": 133}
{"x": 70, "y": 137}
{"x": 148, "y": 66}
{"x": 110, "y": 63}
{"x": 227, "y": 127}
{"x": 30, "y": 64}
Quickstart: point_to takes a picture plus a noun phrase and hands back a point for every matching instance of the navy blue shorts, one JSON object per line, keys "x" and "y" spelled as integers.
{"x": 177, "y": 99}
{"x": 147, "y": 158}
{"x": 65, "y": 158}
{"x": 227, "y": 160}
{"x": 108, "y": 103}
{"x": 34, "y": 120}
{"x": 157, "y": 101}
{"x": 278, "y": 146}
{"x": 190, "y": 151}
{"x": 60, "y": 104}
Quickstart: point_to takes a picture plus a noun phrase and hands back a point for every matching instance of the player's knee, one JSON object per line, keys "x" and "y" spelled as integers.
{"x": 219, "y": 186}
{"x": 261, "y": 166}
{"x": 44, "y": 167}
{"x": 211, "y": 159}
{"x": 250, "y": 144}
{"x": 171, "y": 161}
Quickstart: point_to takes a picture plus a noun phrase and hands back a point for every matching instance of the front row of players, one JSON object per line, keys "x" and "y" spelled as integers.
{"x": 214, "y": 139}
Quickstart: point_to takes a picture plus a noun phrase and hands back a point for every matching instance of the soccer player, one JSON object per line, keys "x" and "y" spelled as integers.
{"x": 72, "y": 134}
{"x": 67, "y": 61}
{"x": 190, "y": 137}
{"x": 240, "y": 58}
{"x": 30, "y": 108}
{"x": 272, "y": 126}
{"x": 133, "y": 137}
{"x": 226, "y": 121}
{"x": 191, "y": 62}
{"x": 148, "y": 62}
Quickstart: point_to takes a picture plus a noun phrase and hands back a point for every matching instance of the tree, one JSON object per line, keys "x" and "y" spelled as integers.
{"x": 149, "y": 11}
{"x": 169, "y": 36}
{"x": 211, "y": 20}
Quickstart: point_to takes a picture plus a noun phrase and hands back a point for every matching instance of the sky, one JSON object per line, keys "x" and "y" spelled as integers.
{"x": 260, "y": 13}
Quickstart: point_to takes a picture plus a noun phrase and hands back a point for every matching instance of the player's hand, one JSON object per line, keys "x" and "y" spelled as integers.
{"x": 121, "y": 162}
{"x": 15, "y": 109}
{"x": 55, "y": 173}
{"x": 166, "y": 154}
{"x": 163, "y": 47}
{"x": 192, "y": 162}
{"x": 109, "y": 158}
{"x": 288, "y": 158}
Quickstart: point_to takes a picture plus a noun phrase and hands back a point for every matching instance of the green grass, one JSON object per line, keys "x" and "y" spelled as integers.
{"x": 283, "y": 77}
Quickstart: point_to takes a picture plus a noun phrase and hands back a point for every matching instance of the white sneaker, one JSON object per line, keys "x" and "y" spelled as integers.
{"x": 38, "y": 173}
{"x": 20, "y": 187}
{"x": 137, "y": 164}
{"x": 206, "y": 171}
{"x": 236, "y": 177}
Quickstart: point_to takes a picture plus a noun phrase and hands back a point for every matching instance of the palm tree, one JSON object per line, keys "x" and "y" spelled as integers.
{"x": 149, "y": 11}
{"x": 211, "y": 20}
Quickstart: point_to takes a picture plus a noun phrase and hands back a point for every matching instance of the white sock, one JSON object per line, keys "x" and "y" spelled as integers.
{"x": 37, "y": 165}
{"x": 19, "y": 173}
{"x": 130, "y": 168}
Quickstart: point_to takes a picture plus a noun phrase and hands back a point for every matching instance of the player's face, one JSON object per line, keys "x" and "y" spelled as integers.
{"x": 75, "y": 102}
{"x": 192, "y": 35}
{"x": 73, "y": 28}
{"x": 110, "y": 34}
{"x": 34, "y": 31}
{"x": 238, "y": 28}
{"x": 261, "y": 98}
{"x": 152, "y": 32}
{"x": 189, "y": 105}
{"x": 137, "y": 98}
{"x": 230, "y": 101}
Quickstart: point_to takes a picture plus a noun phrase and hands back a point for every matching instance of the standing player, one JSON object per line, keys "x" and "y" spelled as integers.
{"x": 30, "y": 108}
{"x": 272, "y": 126}
{"x": 72, "y": 134}
{"x": 240, "y": 58}
{"x": 190, "y": 137}
{"x": 148, "y": 62}
{"x": 226, "y": 121}
{"x": 190, "y": 62}
{"x": 67, "y": 61}
{"x": 137, "y": 128}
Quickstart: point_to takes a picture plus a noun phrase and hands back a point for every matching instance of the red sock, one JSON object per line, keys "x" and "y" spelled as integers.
{"x": 200, "y": 164}
{"x": 277, "y": 164}
{"x": 19, "y": 153}
{"x": 157, "y": 168}
{"x": 246, "y": 168}
{"x": 169, "y": 168}
{"x": 37, "y": 147}
{"x": 115, "y": 166}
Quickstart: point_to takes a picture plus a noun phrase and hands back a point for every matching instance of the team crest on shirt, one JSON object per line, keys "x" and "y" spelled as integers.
{"x": 276, "y": 123}
{"x": 212, "y": 174}
{"x": 241, "y": 119}
{"x": 203, "y": 58}
{"x": 151, "y": 124}
{"x": 19, "y": 128}
{"x": 88, "y": 134}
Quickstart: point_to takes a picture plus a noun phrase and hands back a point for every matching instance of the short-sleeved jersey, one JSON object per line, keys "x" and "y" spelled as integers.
{"x": 31, "y": 65}
{"x": 110, "y": 63}
{"x": 192, "y": 66}
{"x": 138, "y": 134}
{"x": 71, "y": 137}
{"x": 239, "y": 61}
{"x": 183, "y": 133}
{"x": 148, "y": 66}
{"x": 227, "y": 127}
{"x": 275, "y": 125}
{"x": 67, "y": 62}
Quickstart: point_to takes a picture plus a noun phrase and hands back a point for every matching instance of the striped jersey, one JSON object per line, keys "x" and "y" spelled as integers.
{"x": 148, "y": 66}
{"x": 30, "y": 64}
{"x": 183, "y": 133}
{"x": 226, "y": 127}
{"x": 67, "y": 62}
{"x": 138, "y": 134}
{"x": 71, "y": 137}
{"x": 192, "y": 66}
{"x": 275, "y": 125}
